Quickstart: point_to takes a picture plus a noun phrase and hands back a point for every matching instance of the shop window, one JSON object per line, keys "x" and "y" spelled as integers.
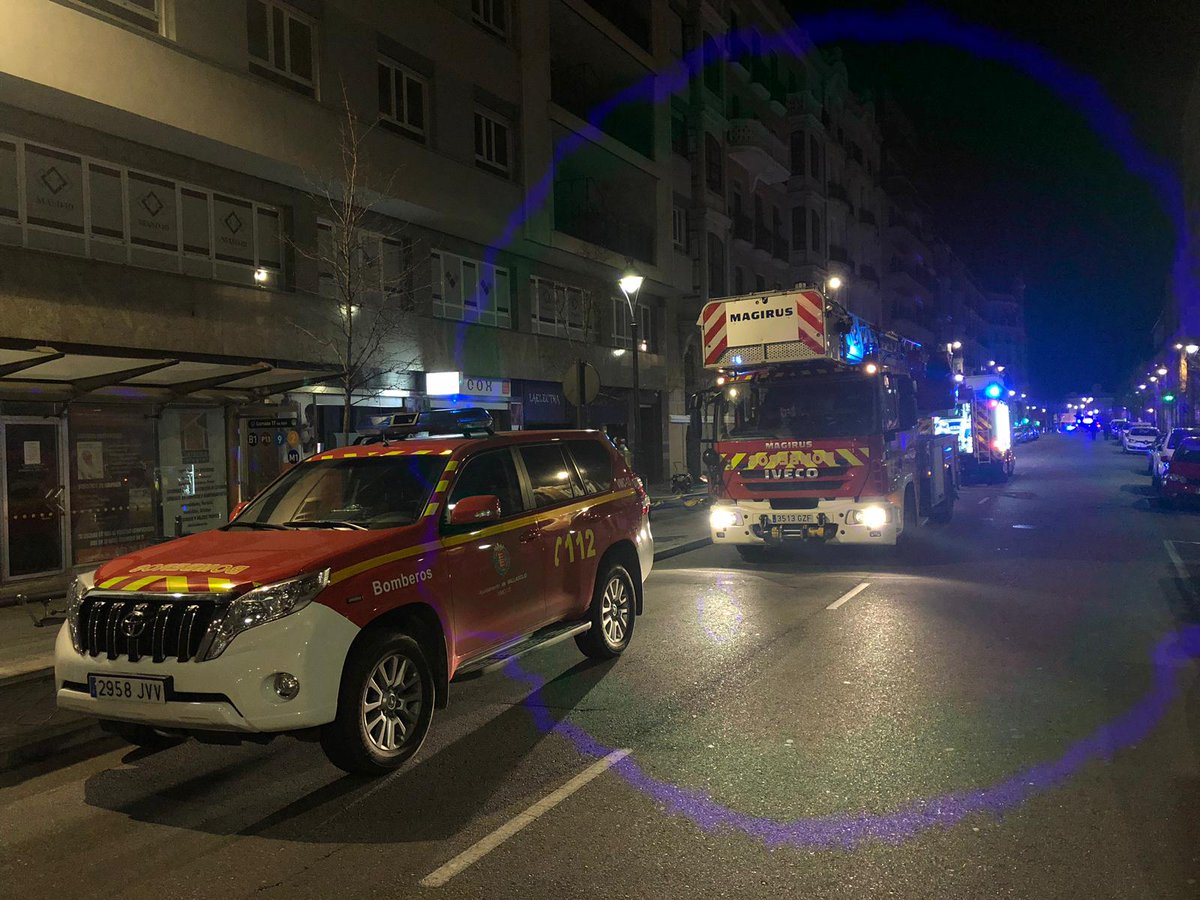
{"x": 114, "y": 482}
{"x": 469, "y": 290}
{"x": 192, "y": 466}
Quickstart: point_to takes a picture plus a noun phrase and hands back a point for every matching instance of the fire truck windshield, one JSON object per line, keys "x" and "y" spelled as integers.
{"x": 837, "y": 406}
{"x": 354, "y": 492}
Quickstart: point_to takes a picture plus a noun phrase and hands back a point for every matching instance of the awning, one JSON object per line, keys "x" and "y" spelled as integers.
{"x": 62, "y": 374}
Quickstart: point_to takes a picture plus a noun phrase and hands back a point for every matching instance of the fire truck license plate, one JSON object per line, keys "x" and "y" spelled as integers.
{"x": 793, "y": 518}
{"x": 124, "y": 687}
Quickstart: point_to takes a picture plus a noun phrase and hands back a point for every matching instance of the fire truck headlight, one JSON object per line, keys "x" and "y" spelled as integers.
{"x": 722, "y": 518}
{"x": 873, "y": 517}
{"x": 266, "y": 604}
{"x": 79, "y": 588}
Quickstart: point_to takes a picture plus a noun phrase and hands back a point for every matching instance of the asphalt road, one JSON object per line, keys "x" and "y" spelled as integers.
{"x": 1010, "y": 708}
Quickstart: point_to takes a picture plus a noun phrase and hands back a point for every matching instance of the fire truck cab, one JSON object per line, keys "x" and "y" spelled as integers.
{"x": 817, "y": 432}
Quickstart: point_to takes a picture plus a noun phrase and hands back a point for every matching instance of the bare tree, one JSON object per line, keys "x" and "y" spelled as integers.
{"x": 367, "y": 266}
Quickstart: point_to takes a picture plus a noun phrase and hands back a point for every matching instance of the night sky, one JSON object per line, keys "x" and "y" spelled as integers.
{"x": 1020, "y": 185}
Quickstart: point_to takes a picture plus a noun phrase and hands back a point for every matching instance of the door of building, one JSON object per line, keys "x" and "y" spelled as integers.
{"x": 33, "y": 498}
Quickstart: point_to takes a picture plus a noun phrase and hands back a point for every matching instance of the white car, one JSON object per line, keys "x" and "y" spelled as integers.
{"x": 1139, "y": 439}
{"x": 1161, "y": 453}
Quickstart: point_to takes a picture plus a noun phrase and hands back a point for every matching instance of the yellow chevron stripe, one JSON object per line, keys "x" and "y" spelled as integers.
{"x": 430, "y": 510}
{"x": 455, "y": 540}
{"x": 441, "y": 486}
{"x": 452, "y": 465}
{"x": 736, "y": 460}
{"x": 849, "y": 456}
{"x": 141, "y": 583}
{"x": 111, "y": 582}
{"x": 219, "y": 585}
{"x": 177, "y": 584}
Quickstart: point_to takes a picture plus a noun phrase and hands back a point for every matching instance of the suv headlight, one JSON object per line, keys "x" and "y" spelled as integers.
{"x": 266, "y": 604}
{"x": 75, "y": 594}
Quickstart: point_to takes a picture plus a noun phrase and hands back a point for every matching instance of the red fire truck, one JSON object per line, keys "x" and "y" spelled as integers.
{"x": 819, "y": 426}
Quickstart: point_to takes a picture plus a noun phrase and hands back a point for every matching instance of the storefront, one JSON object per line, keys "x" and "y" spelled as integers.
{"x": 104, "y": 455}
{"x": 456, "y": 390}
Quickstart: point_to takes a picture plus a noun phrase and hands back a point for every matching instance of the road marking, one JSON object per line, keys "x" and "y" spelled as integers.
{"x": 984, "y": 500}
{"x": 849, "y": 595}
{"x": 486, "y": 845}
{"x": 1176, "y": 559}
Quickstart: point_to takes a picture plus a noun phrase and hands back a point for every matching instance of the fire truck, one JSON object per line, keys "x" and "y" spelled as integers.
{"x": 986, "y": 435}
{"x": 820, "y": 426}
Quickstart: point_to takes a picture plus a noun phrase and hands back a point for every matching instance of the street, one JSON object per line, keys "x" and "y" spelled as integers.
{"x": 999, "y": 708}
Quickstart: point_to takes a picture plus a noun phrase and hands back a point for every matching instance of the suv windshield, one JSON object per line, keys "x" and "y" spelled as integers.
{"x": 812, "y": 409}
{"x": 371, "y": 492}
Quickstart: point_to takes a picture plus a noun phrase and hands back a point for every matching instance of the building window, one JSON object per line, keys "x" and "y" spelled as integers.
{"x": 283, "y": 45}
{"x": 679, "y": 131}
{"x": 799, "y": 227}
{"x": 814, "y": 230}
{"x": 814, "y": 156}
{"x": 468, "y": 290}
{"x": 62, "y": 202}
{"x": 491, "y": 142}
{"x": 145, "y": 14}
{"x": 739, "y": 280}
{"x": 797, "y": 154}
{"x": 714, "y": 170}
{"x": 679, "y": 227}
{"x": 561, "y": 310}
{"x": 401, "y": 98}
{"x": 623, "y": 332}
{"x": 382, "y": 263}
{"x": 716, "y": 266}
{"x": 489, "y": 14}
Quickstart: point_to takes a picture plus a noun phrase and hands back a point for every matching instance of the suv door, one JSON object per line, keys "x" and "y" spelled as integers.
{"x": 569, "y": 544}
{"x": 496, "y": 571}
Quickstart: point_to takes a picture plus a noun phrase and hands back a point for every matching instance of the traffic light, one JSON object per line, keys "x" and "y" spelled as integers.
{"x": 1168, "y": 398}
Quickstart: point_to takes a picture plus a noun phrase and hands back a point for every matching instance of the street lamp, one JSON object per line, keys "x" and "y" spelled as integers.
{"x": 834, "y": 283}
{"x": 1191, "y": 349}
{"x": 630, "y": 283}
{"x": 1161, "y": 370}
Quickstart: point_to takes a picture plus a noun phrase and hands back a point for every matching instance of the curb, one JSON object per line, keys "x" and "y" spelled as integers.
{"x": 30, "y": 675}
{"x": 682, "y": 548}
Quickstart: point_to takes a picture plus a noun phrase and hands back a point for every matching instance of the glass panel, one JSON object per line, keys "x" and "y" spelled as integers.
{"x": 500, "y": 150}
{"x": 278, "y": 54}
{"x": 8, "y": 179}
{"x": 152, "y": 220}
{"x": 478, "y": 135}
{"x": 256, "y": 29}
{"x": 549, "y": 475}
{"x": 385, "y": 90}
{"x": 192, "y": 459}
{"x": 113, "y": 492}
{"x": 414, "y": 108}
{"x": 53, "y": 189}
{"x": 234, "y": 230}
{"x": 300, "y": 46}
{"x": 195, "y": 222}
{"x": 108, "y": 213}
{"x": 594, "y": 463}
{"x": 33, "y": 495}
{"x": 268, "y": 239}
{"x": 490, "y": 473}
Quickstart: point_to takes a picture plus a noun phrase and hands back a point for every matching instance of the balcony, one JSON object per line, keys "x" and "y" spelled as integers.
{"x": 763, "y": 239}
{"x": 628, "y": 18}
{"x": 837, "y": 192}
{"x": 579, "y": 85}
{"x": 756, "y": 149}
{"x": 918, "y": 275}
{"x": 781, "y": 247}
{"x": 743, "y": 229}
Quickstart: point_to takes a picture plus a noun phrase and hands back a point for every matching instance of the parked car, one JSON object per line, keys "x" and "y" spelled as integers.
{"x": 1181, "y": 481}
{"x": 1139, "y": 439}
{"x": 1161, "y": 453}
{"x": 342, "y": 601}
{"x": 1114, "y": 428}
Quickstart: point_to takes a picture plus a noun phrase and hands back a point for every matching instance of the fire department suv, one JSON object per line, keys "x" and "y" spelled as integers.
{"x": 339, "y": 604}
{"x": 816, "y": 430}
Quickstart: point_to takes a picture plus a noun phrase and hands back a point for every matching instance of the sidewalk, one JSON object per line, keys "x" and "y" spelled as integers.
{"x": 25, "y": 650}
{"x": 679, "y": 528}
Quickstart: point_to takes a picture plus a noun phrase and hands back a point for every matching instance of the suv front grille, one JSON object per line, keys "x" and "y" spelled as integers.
{"x": 170, "y": 627}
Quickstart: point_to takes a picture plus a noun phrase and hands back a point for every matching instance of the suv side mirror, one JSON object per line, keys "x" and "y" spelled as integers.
{"x": 476, "y": 510}
{"x": 237, "y": 510}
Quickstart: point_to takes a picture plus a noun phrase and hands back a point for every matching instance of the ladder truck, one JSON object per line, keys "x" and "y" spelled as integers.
{"x": 819, "y": 426}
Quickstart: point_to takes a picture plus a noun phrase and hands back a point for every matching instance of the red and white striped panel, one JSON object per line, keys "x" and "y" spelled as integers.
{"x": 810, "y": 312}
{"x": 714, "y": 328}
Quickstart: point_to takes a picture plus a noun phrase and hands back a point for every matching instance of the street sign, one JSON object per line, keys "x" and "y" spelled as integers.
{"x": 591, "y": 384}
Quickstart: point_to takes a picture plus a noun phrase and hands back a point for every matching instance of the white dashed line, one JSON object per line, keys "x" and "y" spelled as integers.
{"x": 849, "y": 595}
{"x": 984, "y": 500}
{"x": 486, "y": 845}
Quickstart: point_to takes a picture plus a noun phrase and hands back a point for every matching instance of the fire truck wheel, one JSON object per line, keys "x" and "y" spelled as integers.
{"x": 612, "y": 613}
{"x": 385, "y": 705}
{"x": 141, "y": 735}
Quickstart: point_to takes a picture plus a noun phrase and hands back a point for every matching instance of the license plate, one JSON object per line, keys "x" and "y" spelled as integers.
{"x": 793, "y": 518}
{"x": 127, "y": 687}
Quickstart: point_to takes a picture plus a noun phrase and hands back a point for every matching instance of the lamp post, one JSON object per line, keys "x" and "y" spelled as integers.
{"x": 630, "y": 283}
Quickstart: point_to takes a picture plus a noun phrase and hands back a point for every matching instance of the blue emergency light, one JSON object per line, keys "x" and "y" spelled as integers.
{"x": 993, "y": 390}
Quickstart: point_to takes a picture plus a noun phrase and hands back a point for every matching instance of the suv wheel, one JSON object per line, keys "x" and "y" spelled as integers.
{"x": 385, "y": 706}
{"x": 612, "y": 612}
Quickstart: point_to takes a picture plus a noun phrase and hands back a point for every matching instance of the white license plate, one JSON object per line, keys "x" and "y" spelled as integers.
{"x": 127, "y": 687}
{"x": 793, "y": 518}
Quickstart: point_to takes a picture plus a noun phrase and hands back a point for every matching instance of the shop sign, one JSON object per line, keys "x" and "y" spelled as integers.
{"x": 449, "y": 384}
{"x": 487, "y": 387}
